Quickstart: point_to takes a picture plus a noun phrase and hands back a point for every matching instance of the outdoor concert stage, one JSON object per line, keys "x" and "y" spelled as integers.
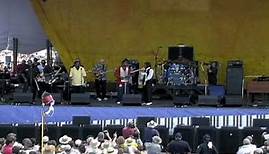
{"x": 168, "y": 116}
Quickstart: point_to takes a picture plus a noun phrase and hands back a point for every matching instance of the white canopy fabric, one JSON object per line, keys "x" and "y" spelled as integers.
{"x": 18, "y": 19}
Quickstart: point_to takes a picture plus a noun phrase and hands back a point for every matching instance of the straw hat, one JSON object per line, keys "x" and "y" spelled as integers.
{"x": 156, "y": 139}
{"x": 94, "y": 143}
{"x": 78, "y": 142}
{"x": 65, "y": 139}
{"x": 45, "y": 139}
{"x": 111, "y": 150}
{"x": 152, "y": 124}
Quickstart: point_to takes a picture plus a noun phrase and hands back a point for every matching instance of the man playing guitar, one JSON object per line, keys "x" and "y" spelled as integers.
{"x": 147, "y": 84}
{"x": 122, "y": 75}
{"x": 99, "y": 71}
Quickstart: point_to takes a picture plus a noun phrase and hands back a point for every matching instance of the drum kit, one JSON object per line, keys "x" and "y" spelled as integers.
{"x": 177, "y": 74}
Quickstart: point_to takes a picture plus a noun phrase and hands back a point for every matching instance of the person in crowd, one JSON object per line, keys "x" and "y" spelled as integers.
{"x": 178, "y": 146}
{"x": 77, "y": 76}
{"x": 130, "y": 130}
{"x": 155, "y": 146}
{"x": 247, "y": 147}
{"x": 99, "y": 71}
{"x": 207, "y": 146}
{"x": 27, "y": 145}
{"x": 147, "y": 84}
{"x": 150, "y": 132}
{"x": 7, "y": 148}
{"x": 122, "y": 75}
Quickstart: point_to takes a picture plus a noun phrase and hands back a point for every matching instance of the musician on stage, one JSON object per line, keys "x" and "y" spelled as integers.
{"x": 147, "y": 84}
{"x": 77, "y": 76}
{"x": 34, "y": 77}
{"x": 23, "y": 75}
{"x": 99, "y": 71}
{"x": 122, "y": 78}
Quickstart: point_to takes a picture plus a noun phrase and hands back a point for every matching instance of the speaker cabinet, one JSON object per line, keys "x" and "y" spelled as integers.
{"x": 81, "y": 120}
{"x": 234, "y": 77}
{"x": 261, "y": 123}
{"x": 185, "y": 51}
{"x": 181, "y": 100}
{"x": 208, "y": 100}
{"x": 131, "y": 100}
{"x": 80, "y": 98}
{"x": 200, "y": 121}
{"x": 229, "y": 139}
{"x": 233, "y": 100}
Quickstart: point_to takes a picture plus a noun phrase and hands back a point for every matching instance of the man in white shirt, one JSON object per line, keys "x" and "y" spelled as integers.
{"x": 147, "y": 84}
{"x": 77, "y": 76}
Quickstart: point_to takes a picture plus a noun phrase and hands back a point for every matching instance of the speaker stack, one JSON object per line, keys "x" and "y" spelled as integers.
{"x": 234, "y": 82}
{"x": 184, "y": 51}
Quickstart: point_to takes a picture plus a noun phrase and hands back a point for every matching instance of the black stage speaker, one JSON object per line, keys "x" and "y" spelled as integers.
{"x": 175, "y": 51}
{"x": 200, "y": 121}
{"x": 181, "y": 100}
{"x": 131, "y": 100}
{"x": 208, "y": 100}
{"x": 81, "y": 120}
{"x": 261, "y": 123}
{"x": 164, "y": 134}
{"x": 22, "y": 97}
{"x": 229, "y": 139}
{"x": 80, "y": 98}
{"x": 233, "y": 100}
{"x": 234, "y": 77}
{"x": 142, "y": 121}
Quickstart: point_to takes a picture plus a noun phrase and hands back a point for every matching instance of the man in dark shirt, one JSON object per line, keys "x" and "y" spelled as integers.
{"x": 150, "y": 131}
{"x": 178, "y": 146}
{"x": 207, "y": 147}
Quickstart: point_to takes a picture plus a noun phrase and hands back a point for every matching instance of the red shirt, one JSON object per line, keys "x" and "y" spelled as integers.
{"x": 7, "y": 149}
{"x": 128, "y": 132}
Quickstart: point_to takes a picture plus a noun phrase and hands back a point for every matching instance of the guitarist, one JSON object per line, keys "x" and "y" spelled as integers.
{"x": 122, "y": 75}
{"x": 99, "y": 71}
{"x": 77, "y": 75}
{"x": 147, "y": 84}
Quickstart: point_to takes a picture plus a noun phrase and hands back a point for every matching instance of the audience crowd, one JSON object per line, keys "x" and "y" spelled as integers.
{"x": 129, "y": 143}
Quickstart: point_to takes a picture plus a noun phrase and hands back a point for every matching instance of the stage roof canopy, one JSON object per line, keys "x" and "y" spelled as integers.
{"x": 19, "y": 20}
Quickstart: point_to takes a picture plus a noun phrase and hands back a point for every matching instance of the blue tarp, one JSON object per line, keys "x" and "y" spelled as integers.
{"x": 32, "y": 114}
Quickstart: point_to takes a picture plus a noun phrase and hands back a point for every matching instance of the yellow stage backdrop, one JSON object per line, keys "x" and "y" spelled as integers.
{"x": 114, "y": 29}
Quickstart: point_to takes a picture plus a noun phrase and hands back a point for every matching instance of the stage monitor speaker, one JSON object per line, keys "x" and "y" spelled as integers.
{"x": 200, "y": 121}
{"x": 208, "y": 100}
{"x": 261, "y": 123}
{"x": 131, "y": 100}
{"x": 80, "y": 98}
{"x": 164, "y": 134}
{"x": 233, "y": 100}
{"x": 181, "y": 100}
{"x": 175, "y": 51}
{"x": 142, "y": 121}
{"x": 81, "y": 120}
{"x": 23, "y": 97}
{"x": 229, "y": 139}
{"x": 234, "y": 77}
